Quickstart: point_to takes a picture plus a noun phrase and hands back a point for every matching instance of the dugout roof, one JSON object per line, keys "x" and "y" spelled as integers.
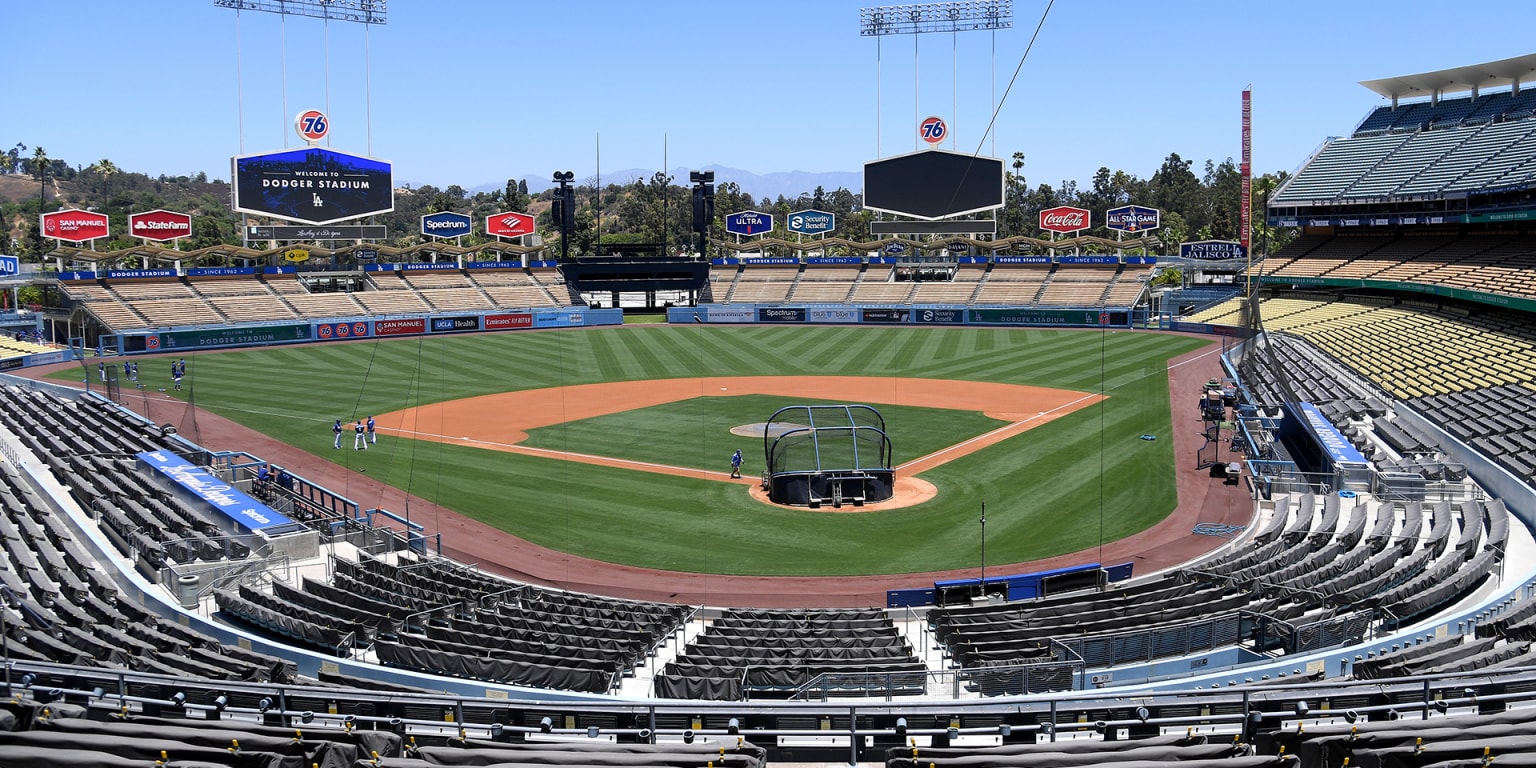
{"x": 1520, "y": 69}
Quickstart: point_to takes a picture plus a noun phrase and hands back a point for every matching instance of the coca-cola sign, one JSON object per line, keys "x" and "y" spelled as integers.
{"x": 1064, "y": 218}
{"x": 160, "y": 225}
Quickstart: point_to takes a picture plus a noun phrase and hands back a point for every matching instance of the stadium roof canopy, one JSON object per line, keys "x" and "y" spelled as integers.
{"x": 1511, "y": 72}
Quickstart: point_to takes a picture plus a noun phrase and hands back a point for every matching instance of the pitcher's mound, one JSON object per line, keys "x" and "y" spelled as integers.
{"x": 909, "y": 491}
{"x": 763, "y": 429}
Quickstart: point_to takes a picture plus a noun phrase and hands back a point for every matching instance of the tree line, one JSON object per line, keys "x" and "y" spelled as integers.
{"x": 648, "y": 210}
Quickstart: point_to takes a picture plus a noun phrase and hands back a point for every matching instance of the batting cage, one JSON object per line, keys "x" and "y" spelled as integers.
{"x": 827, "y": 454}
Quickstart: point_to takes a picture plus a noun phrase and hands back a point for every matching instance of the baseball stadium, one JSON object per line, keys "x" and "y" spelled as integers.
{"x": 1030, "y": 510}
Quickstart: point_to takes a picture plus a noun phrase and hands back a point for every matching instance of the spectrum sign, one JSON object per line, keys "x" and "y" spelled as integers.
{"x": 74, "y": 225}
{"x": 160, "y": 226}
{"x": 447, "y": 224}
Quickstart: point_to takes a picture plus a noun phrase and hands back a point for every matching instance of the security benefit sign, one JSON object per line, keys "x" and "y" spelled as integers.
{"x": 313, "y": 185}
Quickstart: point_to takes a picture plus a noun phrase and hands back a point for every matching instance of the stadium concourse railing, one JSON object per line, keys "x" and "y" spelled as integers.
{"x": 789, "y": 732}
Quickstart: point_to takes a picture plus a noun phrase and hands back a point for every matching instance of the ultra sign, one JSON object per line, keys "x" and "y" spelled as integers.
{"x": 749, "y": 223}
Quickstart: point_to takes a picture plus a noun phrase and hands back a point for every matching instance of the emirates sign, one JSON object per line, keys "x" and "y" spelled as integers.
{"x": 160, "y": 226}
{"x": 74, "y": 225}
{"x": 1064, "y": 218}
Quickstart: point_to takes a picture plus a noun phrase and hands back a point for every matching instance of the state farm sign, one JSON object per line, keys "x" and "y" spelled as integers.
{"x": 509, "y": 224}
{"x": 1063, "y": 218}
{"x": 74, "y": 225}
{"x": 160, "y": 225}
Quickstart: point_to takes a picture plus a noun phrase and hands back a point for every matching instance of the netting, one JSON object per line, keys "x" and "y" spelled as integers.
{"x": 827, "y": 438}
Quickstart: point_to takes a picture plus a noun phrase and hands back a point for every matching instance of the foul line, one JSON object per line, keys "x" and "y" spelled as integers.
{"x": 582, "y": 458}
{"x": 996, "y": 435}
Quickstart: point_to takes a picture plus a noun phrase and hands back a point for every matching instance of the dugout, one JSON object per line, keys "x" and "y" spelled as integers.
{"x": 827, "y": 454}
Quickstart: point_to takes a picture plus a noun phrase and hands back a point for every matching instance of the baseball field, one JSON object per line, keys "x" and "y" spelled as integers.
{"x": 613, "y": 443}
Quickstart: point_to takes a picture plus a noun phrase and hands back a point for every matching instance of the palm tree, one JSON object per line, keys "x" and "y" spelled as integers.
{"x": 40, "y": 167}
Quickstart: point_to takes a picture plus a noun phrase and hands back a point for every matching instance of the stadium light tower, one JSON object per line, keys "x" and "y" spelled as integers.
{"x": 365, "y": 12}
{"x": 360, "y": 11}
{"x": 922, "y": 18}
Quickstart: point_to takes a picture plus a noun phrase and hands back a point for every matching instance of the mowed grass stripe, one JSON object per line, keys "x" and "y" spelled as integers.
{"x": 1042, "y": 488}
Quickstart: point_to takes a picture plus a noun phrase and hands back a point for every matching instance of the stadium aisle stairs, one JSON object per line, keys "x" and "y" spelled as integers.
{"x": 640, "y": 684}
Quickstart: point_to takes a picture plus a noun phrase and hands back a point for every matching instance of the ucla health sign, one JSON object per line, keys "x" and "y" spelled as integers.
{"x": 227, "y": 499}
{"x": 447, "y": 224}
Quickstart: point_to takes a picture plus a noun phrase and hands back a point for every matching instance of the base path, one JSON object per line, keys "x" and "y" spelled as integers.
{"x": 501, "y": 421}
{"x": 1202, "y": 499}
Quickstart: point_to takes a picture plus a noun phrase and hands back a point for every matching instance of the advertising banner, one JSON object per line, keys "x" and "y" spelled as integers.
{"x": 9, "y": 265}
{"x": 228, "y": 500}
{"x": 832, "y": 315}
{"x": 219, "y": 271}
{"x": 939, "y": 316}
{"x": 1132, "y": 218}
{"x": 346, "y": 330}
{"x": 1212, "y": 250}
{"x": 509, "y": 224}
{"x": 73, "y": 225}
{"x": 780, "y": 315}
{"x": 884, "y": 315}
{"x": 506, "y": 322}
{"x": 1035, "y": 316}
{"x": 749, "y": 223}
{"x": 229, "y": 337}
{"x": 1333, "y": 442}
{"x": 728, "y": 315}
{"x": 160, "y": 226}
{"x": 138, "y": 274}
{"x": 313, "y": 185}
{"x": 1065, "y": 219}
{"x": 1245, "y": 167}
{"x": 332, "y": 232}
{"x": 811, "y": 222}
{"x": 399, "y": 327}
{"x": 447, "y": 224}
{"x": 455, "y": 324}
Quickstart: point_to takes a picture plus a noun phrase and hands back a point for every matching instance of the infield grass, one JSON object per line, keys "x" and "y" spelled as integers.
{"x": 1067, "y": 485}
{"x": 696, "y": 432}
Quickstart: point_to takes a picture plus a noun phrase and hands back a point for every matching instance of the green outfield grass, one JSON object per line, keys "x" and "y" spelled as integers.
{"x": 696, "y": 432}
{"x": 1062, "y": 487}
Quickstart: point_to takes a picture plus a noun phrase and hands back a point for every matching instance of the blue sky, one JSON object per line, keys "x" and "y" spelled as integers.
{"x": 477, "y": 91}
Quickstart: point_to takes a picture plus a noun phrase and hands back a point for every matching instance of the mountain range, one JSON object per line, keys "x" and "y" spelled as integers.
{"x": 789, "y": 184}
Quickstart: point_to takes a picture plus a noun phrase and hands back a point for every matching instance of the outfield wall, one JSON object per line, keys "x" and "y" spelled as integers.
{"x": 174, "y": 340}
{"x": 841, "y": 314}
